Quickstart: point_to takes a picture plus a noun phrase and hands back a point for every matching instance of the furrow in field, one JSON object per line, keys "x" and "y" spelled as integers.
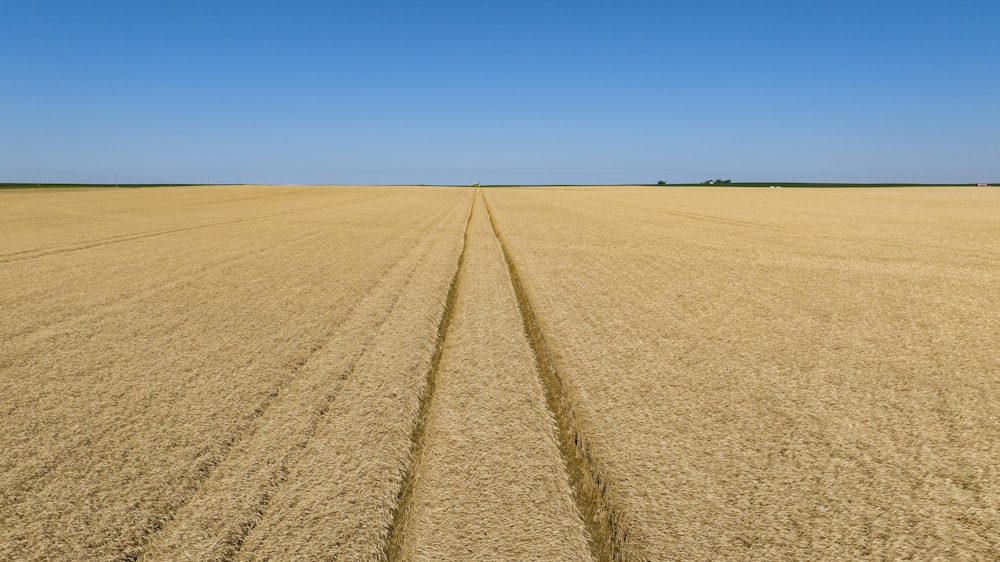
{"x": 402, "y": 506}
{"x": 52, "y": 220}
{"x": 590, "y": 492}
{"x": 89, "y": 207}
{"x": 487, "y": 480}
{"x": 759, "y": 395}
{"x": 214, "y": 523}
{"x": 202, "y": 205}
{"x": 146, "y": 402}
{"x": 38, "y": 310}
{"x": 792, "y": 236}
{"x": 37, "y": 489}
{"x": 339, "y": 500}
{"x": 15, "y": 475}
{"x": 75, "y": 247}
{"x": 683, "y": 214}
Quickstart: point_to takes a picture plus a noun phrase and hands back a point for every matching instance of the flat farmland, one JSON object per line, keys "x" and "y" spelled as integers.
{"x": 447, "y": 373}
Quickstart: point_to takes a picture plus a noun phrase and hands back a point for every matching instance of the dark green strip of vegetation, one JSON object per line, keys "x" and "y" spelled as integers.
{"x": 752, "y": 184}
{"x": 717, "y": 184}
{"x": 819, "y": 185}
{"x": 73, "y": 185}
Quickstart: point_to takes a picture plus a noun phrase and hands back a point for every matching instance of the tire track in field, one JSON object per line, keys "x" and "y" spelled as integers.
{"x": 31, "y": 335}
{"x": 688, "y": 215}
{"x": 14, "y": 481}
{"x": 211, "y": 502}
{"x": 32, "y": 254}
{"x": 40, "y": 219}
{"x": 792, "y": 232}
{"x": 203, "y": 204}
{"x": 391, "y": 551}
{"x": 490, "y": 482}
{"x": 600, "y": 513}
{"x": 41, "y": 333}
{"x": 35, "y": 254}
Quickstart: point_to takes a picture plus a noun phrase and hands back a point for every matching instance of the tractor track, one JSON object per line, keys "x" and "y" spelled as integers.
{"x": 394, "y": 540}
{"x": 45, "y": 252}
{"x": 602, "y": 518}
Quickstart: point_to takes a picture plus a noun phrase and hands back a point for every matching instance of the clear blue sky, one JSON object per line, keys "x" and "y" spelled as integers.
{"x": 522, "y": 92}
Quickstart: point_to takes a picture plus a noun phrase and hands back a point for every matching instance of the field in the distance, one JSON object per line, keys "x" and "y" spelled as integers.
{"x": 446, "y": 373}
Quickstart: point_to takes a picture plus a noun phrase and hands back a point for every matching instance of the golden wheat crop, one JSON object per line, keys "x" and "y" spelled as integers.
{"x": 138, "y": 354}
{"x": 431, "y": 373}
{"x": 794, "y": 374}
{"x": 340, "y": 499}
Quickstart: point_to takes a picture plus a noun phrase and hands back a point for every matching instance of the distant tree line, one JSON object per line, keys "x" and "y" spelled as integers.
{"x": 713, "y": 182}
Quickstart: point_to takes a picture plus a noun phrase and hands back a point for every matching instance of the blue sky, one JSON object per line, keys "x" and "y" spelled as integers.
{"x": 497, "y": 92}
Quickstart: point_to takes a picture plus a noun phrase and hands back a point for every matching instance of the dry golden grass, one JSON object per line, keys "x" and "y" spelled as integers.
{"x": 760, "y": 374}
{"x": 362, "y": 373}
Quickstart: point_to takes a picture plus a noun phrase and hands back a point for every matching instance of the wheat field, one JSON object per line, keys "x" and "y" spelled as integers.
{"x": 536, "y": 373}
